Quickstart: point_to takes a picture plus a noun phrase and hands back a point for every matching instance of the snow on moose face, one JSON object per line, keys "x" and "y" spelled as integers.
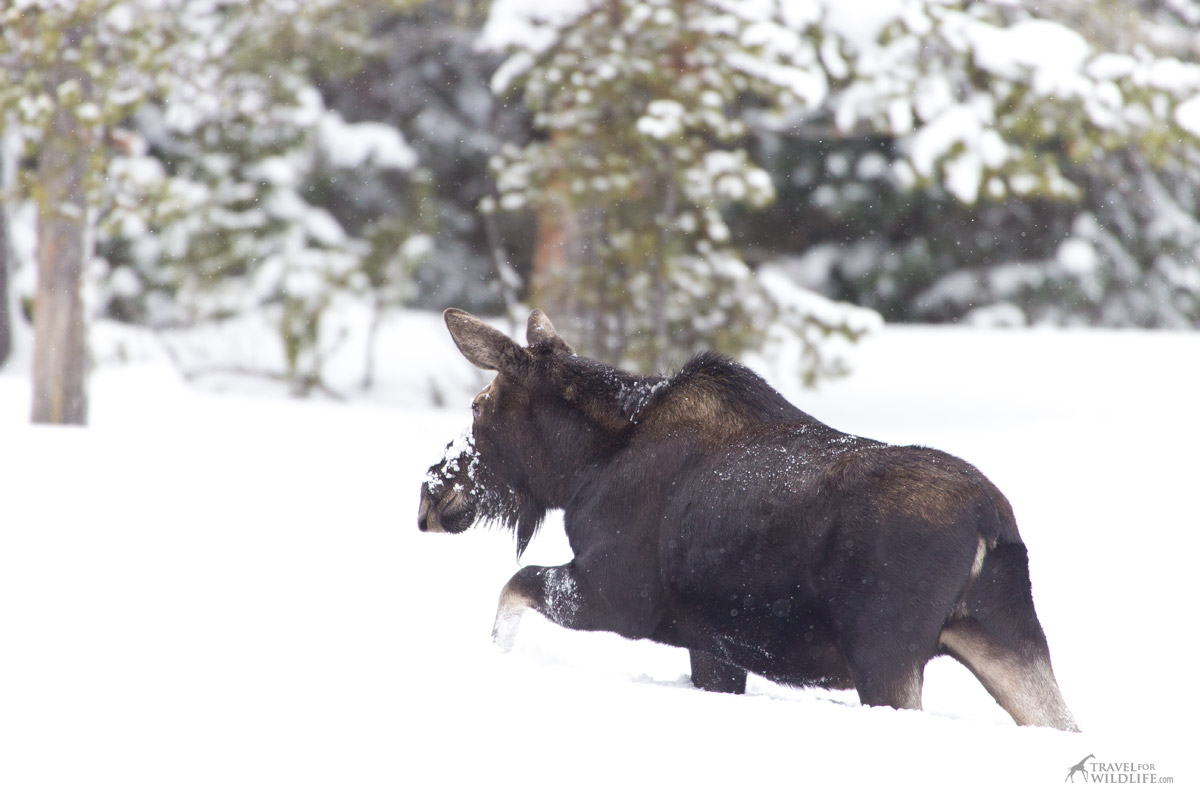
{"x": 449, "y": 501}
{"x": 478, "y": 475}
{"x": 462, "y": 488}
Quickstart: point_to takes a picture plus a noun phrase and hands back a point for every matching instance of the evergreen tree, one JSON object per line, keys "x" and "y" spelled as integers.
{"x": 994, "y": 162}
{"x": 644, "y": 150}
{"x": 425, "y": 75}
{"x": 6, "y": 322}
{"x": 316, "y": 164}
{"x": 68, "y": 70}
{"x": 255, "y": 210}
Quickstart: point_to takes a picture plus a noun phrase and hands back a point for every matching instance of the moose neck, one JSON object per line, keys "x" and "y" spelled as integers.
{"x": 595, "y": 412}
{"x": 571, "y": 445}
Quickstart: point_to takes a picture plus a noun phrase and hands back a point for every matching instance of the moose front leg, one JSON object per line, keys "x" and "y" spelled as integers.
{"x": 553, "y": 592}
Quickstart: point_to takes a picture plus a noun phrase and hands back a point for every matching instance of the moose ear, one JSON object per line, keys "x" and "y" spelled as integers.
{"x": 541, "y": 331}
{"x": 483, "y": 345}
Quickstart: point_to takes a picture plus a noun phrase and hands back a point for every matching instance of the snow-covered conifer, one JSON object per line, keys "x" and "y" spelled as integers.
{"x": 643, "y": 153}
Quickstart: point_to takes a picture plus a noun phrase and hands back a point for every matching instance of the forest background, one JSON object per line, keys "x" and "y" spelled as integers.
{"x": 660, "y": 175}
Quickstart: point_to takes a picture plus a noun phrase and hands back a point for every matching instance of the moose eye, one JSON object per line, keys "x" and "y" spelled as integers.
{"x": 479, "y": 399}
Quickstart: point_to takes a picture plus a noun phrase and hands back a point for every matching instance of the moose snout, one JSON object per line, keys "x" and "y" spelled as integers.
{"x": 445, "y": 508}
{"x": 427, "y": 518}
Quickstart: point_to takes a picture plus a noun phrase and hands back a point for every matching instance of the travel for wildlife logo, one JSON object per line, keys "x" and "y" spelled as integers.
{"x": 1093, "y": 771}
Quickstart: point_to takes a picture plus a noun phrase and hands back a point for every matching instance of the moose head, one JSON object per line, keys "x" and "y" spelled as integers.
{"x": 536, "y": 424}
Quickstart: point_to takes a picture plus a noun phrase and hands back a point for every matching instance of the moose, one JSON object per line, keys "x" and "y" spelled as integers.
{"x": 706, "y": 512}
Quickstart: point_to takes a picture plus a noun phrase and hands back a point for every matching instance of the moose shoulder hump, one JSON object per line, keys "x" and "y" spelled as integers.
{"x": 720, "y": 398}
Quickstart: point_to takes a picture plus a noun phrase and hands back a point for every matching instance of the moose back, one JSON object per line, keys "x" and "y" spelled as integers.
{"x": 704, "y": 511}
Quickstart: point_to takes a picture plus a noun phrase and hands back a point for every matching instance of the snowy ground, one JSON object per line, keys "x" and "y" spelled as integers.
{"x": 225, "y": 595}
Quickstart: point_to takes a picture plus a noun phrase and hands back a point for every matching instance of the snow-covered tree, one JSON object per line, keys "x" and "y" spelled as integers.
{"x": 68, "y": 72}
{"x": 989, "y": 99}
{"x": 306, "y": 164}
{"x": 641, "y": 104}
{"x": 241, "y": 208}
{"x": 6, "y": 321}
{"x": 426, "y": 76}
{"x": 937, "y": 160}
{"x": 185, "y": 160}
{"x": 1011, "y": 163}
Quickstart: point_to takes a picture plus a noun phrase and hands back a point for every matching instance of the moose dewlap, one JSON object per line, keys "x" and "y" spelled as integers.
{"x": 707, "y": 512}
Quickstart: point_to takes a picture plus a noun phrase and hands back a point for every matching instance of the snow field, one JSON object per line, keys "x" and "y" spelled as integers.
{"x": 208, "y": 595}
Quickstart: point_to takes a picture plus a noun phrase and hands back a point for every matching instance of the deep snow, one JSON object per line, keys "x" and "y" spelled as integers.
{"x": 225, "y": 595}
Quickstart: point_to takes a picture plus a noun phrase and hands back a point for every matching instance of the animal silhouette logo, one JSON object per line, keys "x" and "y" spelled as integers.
{"x": 1080, "y": 768}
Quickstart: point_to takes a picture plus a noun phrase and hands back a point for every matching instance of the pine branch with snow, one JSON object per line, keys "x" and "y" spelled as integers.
{"x": 641, "y": 104}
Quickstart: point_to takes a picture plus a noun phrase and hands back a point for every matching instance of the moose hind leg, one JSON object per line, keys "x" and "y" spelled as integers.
{"x": 1021, "y": 680}
{"x": 887, "y": 671}
{"x": 998, "y": 637}
{"x": 553, "y": 592}
{"x": 714, "y": 675}
{"x": 884, "y": 672}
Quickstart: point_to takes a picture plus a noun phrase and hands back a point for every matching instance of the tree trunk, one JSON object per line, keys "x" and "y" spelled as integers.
{"x": 557, "y": 271}
{"x": 5, "y": 301}
{"x": 550, "y": 287}
{"x": 59, "y": 351}
{"x": 662, "y": 287}
{"x": 58, "y": 324}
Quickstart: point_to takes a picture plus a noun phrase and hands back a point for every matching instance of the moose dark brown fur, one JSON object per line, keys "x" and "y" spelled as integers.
{"x": 707, "y": 512}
